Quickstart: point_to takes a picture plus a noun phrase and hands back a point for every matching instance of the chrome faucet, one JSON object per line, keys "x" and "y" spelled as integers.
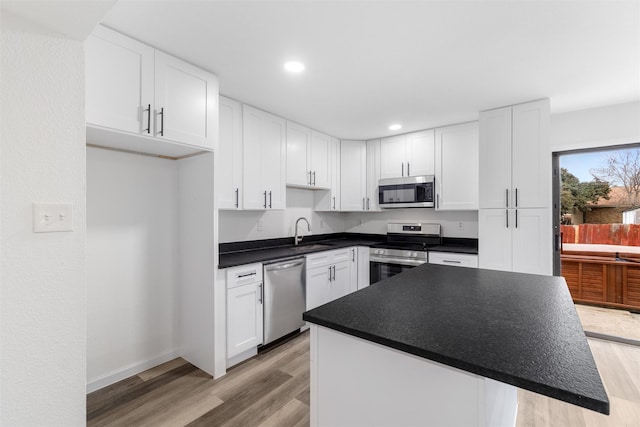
{"x": 296, "y": 238}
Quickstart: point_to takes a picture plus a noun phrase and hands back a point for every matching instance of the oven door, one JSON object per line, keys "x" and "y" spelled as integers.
{"x": 381, "y": 268}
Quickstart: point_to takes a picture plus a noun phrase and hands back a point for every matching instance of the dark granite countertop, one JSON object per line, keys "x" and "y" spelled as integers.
{"x": 520, "y": 329}
{"x": 239, "y": 253}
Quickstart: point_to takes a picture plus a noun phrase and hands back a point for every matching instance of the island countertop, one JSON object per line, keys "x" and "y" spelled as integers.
{"x": 520, "y": 329}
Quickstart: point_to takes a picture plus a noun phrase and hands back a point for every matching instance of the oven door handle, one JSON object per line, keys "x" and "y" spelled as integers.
{"x": 400, "y": 261}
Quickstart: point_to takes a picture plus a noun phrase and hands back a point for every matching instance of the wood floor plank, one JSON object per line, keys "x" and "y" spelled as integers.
{"x": 141, "y": 389}
{"x": 291, "y": 414}
{"x": 105, "y": 396}
{"x": 238, "y": 399}
{"x": 161, "y": 369}
{"x": 305, "y": 396}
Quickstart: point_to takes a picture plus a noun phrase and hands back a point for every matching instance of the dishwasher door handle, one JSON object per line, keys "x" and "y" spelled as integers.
{"x": 284, "y": 266}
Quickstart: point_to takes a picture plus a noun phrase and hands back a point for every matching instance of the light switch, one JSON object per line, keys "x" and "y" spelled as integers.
{"x": 48, "y": 217}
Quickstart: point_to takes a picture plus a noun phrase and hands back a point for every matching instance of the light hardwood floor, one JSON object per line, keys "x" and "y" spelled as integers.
{"x": 272, "y": 389}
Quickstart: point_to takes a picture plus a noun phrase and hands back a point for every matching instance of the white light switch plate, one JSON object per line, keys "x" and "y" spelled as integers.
{"x": 49, "y": 217}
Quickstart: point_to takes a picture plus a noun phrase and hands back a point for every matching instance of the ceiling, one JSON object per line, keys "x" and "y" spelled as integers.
{"x": 420, "y": 63}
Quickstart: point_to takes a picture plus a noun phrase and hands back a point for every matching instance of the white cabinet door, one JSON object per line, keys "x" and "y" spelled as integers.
{"x": 229, "y": 166}
{"x": 457, "y": 167}
{"x": 186, "y": 102}
{"x": 373, "y": 174}
{"x": 340, "y": 284}
{"x": 119, "y": 82}
{"x": 393, "y": 155}
{"x": 494, "y": 239}
{"x": 334, "y": 154}
{"x": 531, "y": 170}
{"x": 495, "y": 158}
{"x": 532, "y": 241}
{"x": 353, "y": 169}
{"x": 353, "y": 270}
{"x": 420, "y": 153}
{"x": 264, "y": 154}
{"x": 319, "y": 160}
{"x": 298, "y": 144}
{"x": 317, "y": 285}
{"x": 363, "y": 267}
{"x": 244, "y": 318}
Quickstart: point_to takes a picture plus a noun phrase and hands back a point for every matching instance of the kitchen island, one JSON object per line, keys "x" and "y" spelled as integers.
{"x": 439, "y": 345}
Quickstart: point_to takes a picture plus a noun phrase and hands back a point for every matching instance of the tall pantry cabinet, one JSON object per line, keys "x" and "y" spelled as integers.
{"x": 514, "y": 219}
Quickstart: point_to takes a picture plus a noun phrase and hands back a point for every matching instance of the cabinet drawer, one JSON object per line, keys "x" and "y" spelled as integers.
{"x": 244, "y": 274}
{"x": 328, "y": 257}
{"x": 458, "y": 260}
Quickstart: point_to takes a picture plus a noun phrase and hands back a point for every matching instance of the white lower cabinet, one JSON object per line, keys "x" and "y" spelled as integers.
{"x": 518, "y": 240}
{"x": 457, "y": 260}
{"x": 244, "y": 312}
{"x": 329, "y": 276}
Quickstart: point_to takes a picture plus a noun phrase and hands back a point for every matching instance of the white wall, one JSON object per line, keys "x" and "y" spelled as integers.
{"x": 243, "y": 225}
{"x": 132, "y": 293}
{"x": 42, "y": 296}
{"x": 596, "y": 127}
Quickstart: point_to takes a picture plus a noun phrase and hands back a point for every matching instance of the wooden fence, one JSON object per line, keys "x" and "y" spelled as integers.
{"x": 602, "y": 234}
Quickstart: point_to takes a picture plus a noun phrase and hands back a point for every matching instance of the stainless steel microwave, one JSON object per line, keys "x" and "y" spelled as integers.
{"x": 407, "y": 192}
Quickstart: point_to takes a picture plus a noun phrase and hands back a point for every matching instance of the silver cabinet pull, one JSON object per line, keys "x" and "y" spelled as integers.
{"x": 516, "y": 202}
{"x": 253, "y": 273}
{"x": 402, "y": 168}
{"x": 334, "y": 273}
{"x": 237, "y": 197}
{"x": 334, "y": 202}
{"x": 353, "y": 255}
{"x": 437, "y": 201}
{"x": 265, "y": 199}
{"x": 516, "y": 218}
{"x": 408, "y": 169}
{"x": 507, "y": 197}
{"x": 260, "y": 296}
{"x": 314, "y": 177}
{"x": 368, "y": 207}
{"x": 162, "y": 121}
{"x": 452, "y": 261}
{"x": 270, "y": 200}
{"x": 148, "y": 110}
{"x": 363, "y": 205}
{"x": 507, "y": 214}
{"x": 309, "y": 177}
{"x": 330, "y": 279}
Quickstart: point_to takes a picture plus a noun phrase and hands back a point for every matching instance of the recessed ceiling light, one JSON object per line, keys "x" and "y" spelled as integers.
{"x": 294, "y": 67}
{"x": 395, "y": 127}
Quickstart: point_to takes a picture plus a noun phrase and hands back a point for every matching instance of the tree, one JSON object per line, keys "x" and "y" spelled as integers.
{"x": 623, "y": 167}
{"x": 576, "y": 195}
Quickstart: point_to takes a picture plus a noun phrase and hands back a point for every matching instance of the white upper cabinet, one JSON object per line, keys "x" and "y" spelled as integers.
{"x": 373, "y": 175}
{"x": 330, "y": 200}
{"x": 140, "y": 99}
{"x": 307, "y": 157}
{"x": 457, "y": 167}
{"x": 515, "y": 159}
{"x": 264, "y": 159}
{"x": 119, "y": 82}
{"x": 229, "y": 166}
{"x": 186, "y": 98}
{"x": 353, "y": 175}
{"x": 407, "y": 155}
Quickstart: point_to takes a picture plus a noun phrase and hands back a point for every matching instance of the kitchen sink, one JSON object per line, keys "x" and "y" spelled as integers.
{"x": 313, "y": 247}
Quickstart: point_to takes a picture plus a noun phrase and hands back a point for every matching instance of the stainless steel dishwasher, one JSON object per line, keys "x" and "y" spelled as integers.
{"x": 284, "y": 298}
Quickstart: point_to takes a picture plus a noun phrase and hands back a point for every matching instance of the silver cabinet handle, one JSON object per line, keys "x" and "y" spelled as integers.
{"x": 270, "y": 200}
{"x": 516, "y": 218}
{"x": 334, "y": 202}
{"x": 314, "y": 177}
{"x": 309, "y": 177}
{"x": 408, "y": 169}
{"x": 368, "y": 207}
{"x": 402, "y": 168}
{"x": 507, "y": 215}
{"x": 265, "y": 199}
{"x": 334, "y": 273}
{"x": 507, "y": 197}
{"x": 353, "y": 255}
{"x": 237, "y": 197}
{"x": 516, "y": 203}
{"x": 260, "y": 296}
{"x": 253, "y": 273}
{"x": 330, "y": 274}
{"x": 162, "y": 121}
{"x": 363, "y": 205}
{"x": 148, "y": 110}
{"x": 437, "y": 201}
{"x": 452, "y": 261}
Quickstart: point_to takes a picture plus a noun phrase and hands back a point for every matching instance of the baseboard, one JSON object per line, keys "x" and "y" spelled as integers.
{"x": 127, "y": 371}
{"x": 613, "y": 338}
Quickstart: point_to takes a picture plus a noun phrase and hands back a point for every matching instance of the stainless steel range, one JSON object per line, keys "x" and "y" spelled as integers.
{"x": 405, "y": 248}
